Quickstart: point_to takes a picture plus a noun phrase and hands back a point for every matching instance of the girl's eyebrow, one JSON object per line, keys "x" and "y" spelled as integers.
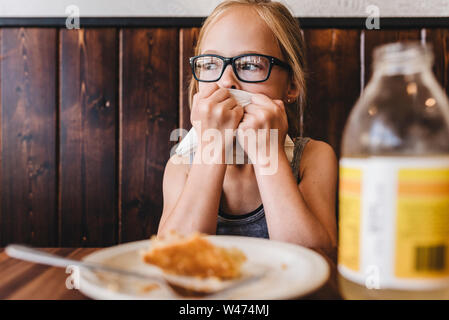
{"x": 241, "y": 52}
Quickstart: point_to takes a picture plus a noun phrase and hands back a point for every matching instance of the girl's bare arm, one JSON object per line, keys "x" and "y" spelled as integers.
{"x": 191, "y": 199}
{"x": 304, "y": 213}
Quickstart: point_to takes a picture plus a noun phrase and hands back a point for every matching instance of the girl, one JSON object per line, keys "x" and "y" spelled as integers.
{"x": 295, "y": 204}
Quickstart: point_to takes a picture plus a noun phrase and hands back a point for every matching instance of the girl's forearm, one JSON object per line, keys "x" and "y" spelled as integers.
{"x": 197, "y": 206}
{"x": 288, "y": 217}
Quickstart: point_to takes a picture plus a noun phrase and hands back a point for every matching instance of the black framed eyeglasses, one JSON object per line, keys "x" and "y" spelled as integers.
{"x": 250, "y": 67}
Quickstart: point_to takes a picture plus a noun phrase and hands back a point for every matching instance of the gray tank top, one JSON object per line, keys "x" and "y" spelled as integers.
{"x": 254, "y": 223}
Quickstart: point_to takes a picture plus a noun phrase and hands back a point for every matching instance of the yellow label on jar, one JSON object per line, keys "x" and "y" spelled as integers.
{"x": 349, "y": 218}
{"x": 422, "y": 223}
{"x": 394, "y": 222}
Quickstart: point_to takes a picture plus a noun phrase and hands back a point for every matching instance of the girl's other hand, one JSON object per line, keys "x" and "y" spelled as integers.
{"x": 214, "y": 108}
{"x": 263, "y": 113}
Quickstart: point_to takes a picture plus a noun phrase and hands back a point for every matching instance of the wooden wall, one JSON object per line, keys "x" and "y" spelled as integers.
{"x": 86, "y": 117}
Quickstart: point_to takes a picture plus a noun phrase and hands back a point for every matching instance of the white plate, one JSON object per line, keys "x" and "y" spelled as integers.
{"x": 292, "y": 271}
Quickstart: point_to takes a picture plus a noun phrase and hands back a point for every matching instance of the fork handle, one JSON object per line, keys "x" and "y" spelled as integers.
{"x": 38, "y": 256}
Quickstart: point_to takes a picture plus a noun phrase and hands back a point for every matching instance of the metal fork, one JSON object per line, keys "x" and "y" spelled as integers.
{"x": 38, "y": 256}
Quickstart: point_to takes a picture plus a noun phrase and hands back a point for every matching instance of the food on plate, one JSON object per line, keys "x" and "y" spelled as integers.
{"x": 149, "y": 287}
{"x": 194, "y": 255}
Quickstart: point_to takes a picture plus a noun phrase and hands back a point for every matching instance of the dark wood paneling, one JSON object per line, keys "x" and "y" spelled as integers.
{"x": 333, "y": 82}
{"x": 28, "y": 113}
{"x": 187, "y": 41}
{"x": 375, "y": 38}
{"x": 439, "y": 38}
{"x": 107, "y": 159}
{"x": 2, "y": 224}
{"x": 88, "y": 80}
{"x": 149, "y": 113}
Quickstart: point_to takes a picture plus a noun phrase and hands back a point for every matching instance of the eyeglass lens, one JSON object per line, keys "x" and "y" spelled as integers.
{"x": 249, "y": 68}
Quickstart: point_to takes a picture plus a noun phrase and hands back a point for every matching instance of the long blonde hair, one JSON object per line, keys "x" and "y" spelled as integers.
{"x": 286, "y": 30}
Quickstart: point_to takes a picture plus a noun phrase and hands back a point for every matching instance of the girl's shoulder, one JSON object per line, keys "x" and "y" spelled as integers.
{"x": 317, "y": 154}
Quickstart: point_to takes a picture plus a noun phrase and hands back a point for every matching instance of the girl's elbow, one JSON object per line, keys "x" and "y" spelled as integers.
{"x": 162, "y": 230}
{"x": 327, "y": 244}
{"x": 322, "y": 241}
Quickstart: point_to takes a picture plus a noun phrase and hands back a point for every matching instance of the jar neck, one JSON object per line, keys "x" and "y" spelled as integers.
{"x": 402, "y": 59}
{"x": 406, "y": 67}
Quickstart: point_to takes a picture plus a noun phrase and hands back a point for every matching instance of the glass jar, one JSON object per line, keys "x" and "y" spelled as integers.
{"x": 394, "y": 182}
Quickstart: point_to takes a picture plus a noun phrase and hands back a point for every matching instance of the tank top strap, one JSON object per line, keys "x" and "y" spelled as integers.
{"x": 300, "y": 144}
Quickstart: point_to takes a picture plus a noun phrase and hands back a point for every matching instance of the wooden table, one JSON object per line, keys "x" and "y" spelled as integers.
{"x": 29, "y": 281}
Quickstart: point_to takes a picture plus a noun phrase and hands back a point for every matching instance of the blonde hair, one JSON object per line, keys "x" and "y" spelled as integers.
{"x": 286, "y": 30}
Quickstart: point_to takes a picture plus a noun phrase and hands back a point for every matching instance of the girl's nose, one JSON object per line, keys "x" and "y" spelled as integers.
{"x": 228, "y": 79}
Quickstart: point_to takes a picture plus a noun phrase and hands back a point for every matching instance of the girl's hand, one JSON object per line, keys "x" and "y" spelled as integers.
{"x": 215, "y": 108}
{"x": 263, "y": 113}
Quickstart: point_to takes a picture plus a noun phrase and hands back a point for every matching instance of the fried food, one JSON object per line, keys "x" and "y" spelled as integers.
{"x": 195, "y": 256}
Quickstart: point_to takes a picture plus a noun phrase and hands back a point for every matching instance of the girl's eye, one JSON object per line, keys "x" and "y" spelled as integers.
{"x": 250, "y": 66}
{"x": 207, "y": 63}
{"x": 210, "y": 66}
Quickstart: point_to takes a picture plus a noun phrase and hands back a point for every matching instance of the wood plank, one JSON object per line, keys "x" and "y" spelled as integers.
{"x": 28, "y": 118}
{"x": 16, "y": 273}
{"x": 333, "y": 82}
{"x": 375, "y": 38}
{"x": 187, "y": 41}
{"x": 88, "y": 90}
{"x": 149, "y": 112}
{"x": 1, "y": 156}
{"x": 31, "y": 281}
{"x": 2, "y": 256}
{"x": 439, "y": 39}
{"x": 50, "y": 282}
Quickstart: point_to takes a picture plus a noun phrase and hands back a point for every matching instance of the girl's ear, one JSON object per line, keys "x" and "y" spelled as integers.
{"x": 293, "y": 92}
